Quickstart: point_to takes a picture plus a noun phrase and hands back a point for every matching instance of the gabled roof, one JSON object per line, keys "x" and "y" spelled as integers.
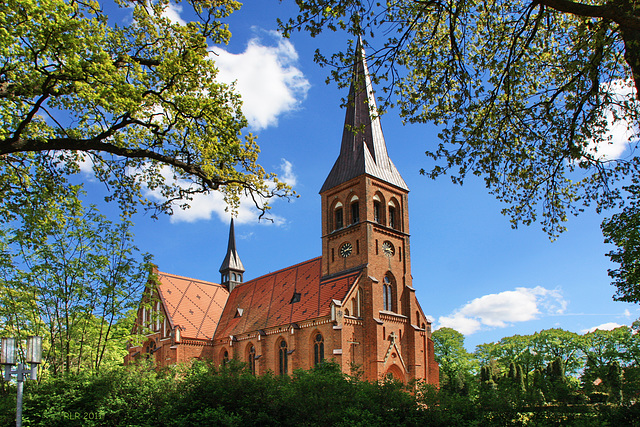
{"x": 232, "y": 260}
{"x": 194, "y": 305}
{"x": 363, "y": 149}
{"x": 266, "y": 302}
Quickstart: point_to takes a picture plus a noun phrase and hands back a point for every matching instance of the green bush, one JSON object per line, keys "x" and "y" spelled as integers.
{"x": 203, "y": 394}
{"x": 598, "y": 397}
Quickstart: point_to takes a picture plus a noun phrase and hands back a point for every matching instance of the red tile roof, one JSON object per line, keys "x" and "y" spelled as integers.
{"x": 265, "y": 302}
{"x": 194, "y": 305}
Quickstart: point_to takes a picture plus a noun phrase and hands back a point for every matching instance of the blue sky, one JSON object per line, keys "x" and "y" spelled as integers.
{"x": 471, "y": 271}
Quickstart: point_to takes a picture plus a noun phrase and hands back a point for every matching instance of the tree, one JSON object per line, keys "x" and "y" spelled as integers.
{"x": 518, "y": 349}
{"x": 623, "y": 230}
{"x": 457, "y": 365}
{"x": 71, "y": 276}
{"x": 139, "y": 103}
{"x": 558, "y": 344}
{"x": 620, "y": 345}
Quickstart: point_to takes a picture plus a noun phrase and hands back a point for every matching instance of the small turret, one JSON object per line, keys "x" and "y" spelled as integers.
{"x": 231, "y": 268}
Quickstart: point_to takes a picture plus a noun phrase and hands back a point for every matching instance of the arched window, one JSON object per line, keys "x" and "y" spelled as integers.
{"x": 355, "y": 210}
{"x": 318, "y": 349}
{"x": 392, "y": 215}
{"x": 338, "y": 216}
{"x": 394, "y": 219}
{"x": 251, "y": 358}
{"x": 151, "y": 348}
{"x": 387, "y": 298}
{"x": 377, "y": 209}
{"x": 225, "y": 357}
{"x": 283, "y": 366}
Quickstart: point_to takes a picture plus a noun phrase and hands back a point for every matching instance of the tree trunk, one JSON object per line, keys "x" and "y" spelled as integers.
{"x": 631, "y": 39}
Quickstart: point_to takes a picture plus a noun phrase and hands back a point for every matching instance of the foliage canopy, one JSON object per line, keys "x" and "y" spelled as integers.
{"x": 539, "y": 98}
{"x": 67, "y": 274}
{"x": 138, "y": 103}
{"x": 521, "y": 88}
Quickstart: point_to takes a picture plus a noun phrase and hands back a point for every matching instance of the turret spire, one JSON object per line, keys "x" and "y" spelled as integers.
{"x": 363, "y": 149}
{"x": 231, "y": 268}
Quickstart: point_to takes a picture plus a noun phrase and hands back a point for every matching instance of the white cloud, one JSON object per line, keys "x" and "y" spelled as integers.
{"x": 504, "y": 308}
{"x": 604, "y": 327}
{"x": 287, "y": 176}
{"x": 246, "y": 236}
{"x": 266, "y": 77}
{"x": 620, "y": 131}
{"x": 204, "y": 206}
{"x": 461, "y": 323}
{"x": 172, "y": 12}
{"x": 86, "y": 164}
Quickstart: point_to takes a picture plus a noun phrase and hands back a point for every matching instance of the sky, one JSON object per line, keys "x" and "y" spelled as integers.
{"x": 471, "y": 270}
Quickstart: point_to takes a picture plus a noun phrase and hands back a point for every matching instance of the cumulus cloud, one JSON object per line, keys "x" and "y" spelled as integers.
{"x": 172, "y": 12}
{"x": 266, "y": 76}
{"x": 204, "y": 206}
{"x": 604, "y": 327}
{"x": 504, "y": 308}
{"x": 620, "y": 131}
{"x": 287, "y": 176}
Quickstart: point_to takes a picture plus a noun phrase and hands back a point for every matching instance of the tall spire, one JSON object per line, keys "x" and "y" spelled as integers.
{"x": 363, "y": 149}
{"x": 231, "y": 268}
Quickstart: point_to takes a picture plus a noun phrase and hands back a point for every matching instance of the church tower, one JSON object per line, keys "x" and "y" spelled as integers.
{"x": 365, "y": 226}
{"x": 231, "y": 269}
{"x": 364, "y": 199}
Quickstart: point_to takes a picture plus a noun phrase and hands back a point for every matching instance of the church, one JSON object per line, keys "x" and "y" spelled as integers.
{"x": 355, "y": 304}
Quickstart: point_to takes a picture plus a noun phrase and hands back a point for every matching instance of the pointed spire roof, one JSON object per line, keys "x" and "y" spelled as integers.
{"x": 232, "y": 260}
{"x": 363, "y": 149}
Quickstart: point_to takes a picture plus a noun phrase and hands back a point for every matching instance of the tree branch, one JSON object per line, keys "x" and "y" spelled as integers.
{"x": 609, "y": 11}
{"x": 97, "y": 144}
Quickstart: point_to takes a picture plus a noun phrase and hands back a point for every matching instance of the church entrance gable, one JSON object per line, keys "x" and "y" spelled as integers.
{"x": 395, "y": 372}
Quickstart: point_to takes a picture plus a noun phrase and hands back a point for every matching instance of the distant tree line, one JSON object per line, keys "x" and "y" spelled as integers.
{"x": 552, "y": 374}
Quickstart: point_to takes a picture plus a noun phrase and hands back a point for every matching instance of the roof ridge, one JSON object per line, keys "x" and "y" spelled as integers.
{"x": 177, "y": 276}
{"x": 278, "y": 271}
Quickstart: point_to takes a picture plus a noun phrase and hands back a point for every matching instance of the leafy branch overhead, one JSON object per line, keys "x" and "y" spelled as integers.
{"x": 527, "y": 93}
{"x": 140, "y": 103}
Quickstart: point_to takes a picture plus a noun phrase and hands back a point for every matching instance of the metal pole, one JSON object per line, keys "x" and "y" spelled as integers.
{"x": 33, "y": 358}
{"x": 20, "y": 378}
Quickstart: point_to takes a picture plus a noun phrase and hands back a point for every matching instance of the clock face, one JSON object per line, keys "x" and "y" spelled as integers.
{"x": 387, "y": 249}
{"x": 346, "y": 249}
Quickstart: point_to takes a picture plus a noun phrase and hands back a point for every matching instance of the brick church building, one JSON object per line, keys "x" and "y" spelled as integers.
{"x": 355, "y": 304}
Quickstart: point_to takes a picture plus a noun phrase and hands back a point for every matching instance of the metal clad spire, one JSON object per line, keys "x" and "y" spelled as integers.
{"x": 363, "y": 149}
{"x": 232, "y": 259}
